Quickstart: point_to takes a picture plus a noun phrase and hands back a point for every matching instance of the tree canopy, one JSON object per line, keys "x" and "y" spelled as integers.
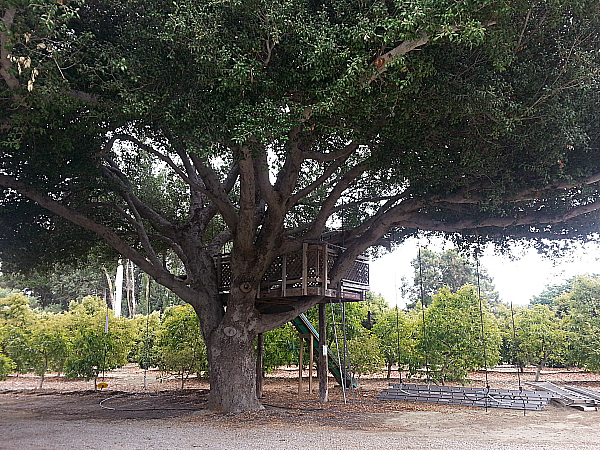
{"x": 158, "y": 127}
{"x": 434, "y": 270}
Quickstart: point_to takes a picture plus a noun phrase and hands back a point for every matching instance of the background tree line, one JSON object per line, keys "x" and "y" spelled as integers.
{"x": 88, "y": 340}
{"x": 440, "y": 342}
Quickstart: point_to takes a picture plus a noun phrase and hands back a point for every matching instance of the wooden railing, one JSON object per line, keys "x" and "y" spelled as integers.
{"x": 305, "y": 272}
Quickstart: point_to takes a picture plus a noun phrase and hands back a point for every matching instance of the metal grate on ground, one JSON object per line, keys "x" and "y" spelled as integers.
{"x": 573, "y": 396}
{"x": 459, "y": 395}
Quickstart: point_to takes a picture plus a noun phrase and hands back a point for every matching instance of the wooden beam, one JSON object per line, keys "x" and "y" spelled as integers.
{"x": 300, "y": 362}
{"x": 304, "y": 269}
{"x": 310, "y": 363}
{"x": 283, "y": 275}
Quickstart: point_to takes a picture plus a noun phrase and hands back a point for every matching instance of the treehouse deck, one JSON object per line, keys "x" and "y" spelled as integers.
{"x": 303, "y": 273}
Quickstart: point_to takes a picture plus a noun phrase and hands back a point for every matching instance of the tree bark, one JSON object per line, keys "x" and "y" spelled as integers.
{"x": 259, "y": 365}
{"x": 232, "y": 371}
{"x": 230, "y": 349}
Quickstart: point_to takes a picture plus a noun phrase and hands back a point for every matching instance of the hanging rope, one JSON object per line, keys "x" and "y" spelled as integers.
{"x": 346, "y": 352}
{"x": 398, "y": 343}
{"x": 487, "y": 385}
{"x": 423, "y": 311}
{"x": 512, "y": 314}
{"x": 103, "y": 384}
{"x": 397, "y": 327}
{"x": 147, "y": 329}
{"x": 337, "y": 347}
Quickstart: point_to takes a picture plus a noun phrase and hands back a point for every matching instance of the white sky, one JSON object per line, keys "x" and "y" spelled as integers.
{"x": 516, "y": 280}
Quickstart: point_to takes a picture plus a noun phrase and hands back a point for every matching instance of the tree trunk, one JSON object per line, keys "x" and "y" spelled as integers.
{"x": 259, "y": 365}
{"x": 389, "y": 370}
{"x": 232, "y": 370}
{"x": 539, "y": 368}
{"x": 230, "y": 350}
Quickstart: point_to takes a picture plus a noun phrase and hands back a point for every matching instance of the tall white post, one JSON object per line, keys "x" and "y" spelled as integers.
{"x": 118, "y": 289}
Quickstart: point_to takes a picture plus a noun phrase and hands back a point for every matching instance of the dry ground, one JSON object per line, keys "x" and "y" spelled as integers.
{"x": 125, "y": 415}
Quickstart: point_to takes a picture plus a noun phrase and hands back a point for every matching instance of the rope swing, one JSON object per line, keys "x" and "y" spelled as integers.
{"x": 487, "y": 384}
{"x": 423, "y": 311}
{"x": 516, "y": 348}
{"x": 397, "y": 328}
{"x": 104, "y": 384}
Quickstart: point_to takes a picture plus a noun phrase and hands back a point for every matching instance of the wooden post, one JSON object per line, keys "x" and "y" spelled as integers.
{"x": 325, "y": 272}
{"x": 259, "y": 365}
{"x": 323, "y": 363}
{"x": 310, "y": 363}
{"x": 300, "y": 363}
{"x": 284, "y": 276}
{"x": 304, "y": 269}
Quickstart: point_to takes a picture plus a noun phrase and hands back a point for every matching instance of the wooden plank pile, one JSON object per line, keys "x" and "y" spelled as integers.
{"x": 573, "y": 396}
{"x": 459, "y": 395}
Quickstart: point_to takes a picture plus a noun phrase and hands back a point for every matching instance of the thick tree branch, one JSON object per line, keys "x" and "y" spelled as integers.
{"x": 328, "y": 205}
{"x": 342, "y": 153}
{"x": 210, "y": 210}
{"x": 141, "y": 230}
{"x": 216, "y": 191}
{"x": 406, "y": 205}
{"x": 161, "y": 275}
{"x": 382, "y": 62}
{"x": 289, "y": 173}
{"x": 245, "y": 230}
{"x": 471, "y": 194}
{"x": 163, "y": 157}
{"x": 421, "y": 221}
{"x": 261, "y": 170}
{"x": 158, "y": 221}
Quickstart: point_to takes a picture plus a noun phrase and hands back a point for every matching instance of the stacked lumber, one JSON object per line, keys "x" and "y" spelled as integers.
{"x": 459, "y": 395}
{"x": 573, "y": 396}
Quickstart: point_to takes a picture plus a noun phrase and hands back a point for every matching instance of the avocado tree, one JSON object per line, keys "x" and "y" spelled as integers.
{"x": 17, "y": 321}
{"x": 189, "y": 128}
{"x": 7, "y": 365}
{"x": 180, "y": 346}
{"x": 458, "y": 334}
{"x": 49, "y": 346}
{"x": 540, "y": 336}
{"x": 580, "y": 312}
{"x": 395, "y": 331}
{"x": 95, "y": 348}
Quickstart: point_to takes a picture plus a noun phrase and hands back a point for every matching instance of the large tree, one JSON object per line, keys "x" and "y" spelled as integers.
{"x": 183, "y": 128}
{"x": 433, "y": 271}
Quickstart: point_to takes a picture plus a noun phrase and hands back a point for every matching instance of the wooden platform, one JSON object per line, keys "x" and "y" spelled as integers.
{"x": 303, "y": 273}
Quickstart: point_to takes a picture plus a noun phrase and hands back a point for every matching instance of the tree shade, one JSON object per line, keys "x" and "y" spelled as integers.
{"x": 190, "y": 127}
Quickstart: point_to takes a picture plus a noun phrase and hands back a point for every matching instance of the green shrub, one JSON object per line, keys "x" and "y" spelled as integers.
{"x": 7, "y": 366}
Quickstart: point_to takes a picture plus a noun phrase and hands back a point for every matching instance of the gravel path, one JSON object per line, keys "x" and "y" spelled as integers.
{"x": 66, "y": 415}
{"x": 77, "y": 422}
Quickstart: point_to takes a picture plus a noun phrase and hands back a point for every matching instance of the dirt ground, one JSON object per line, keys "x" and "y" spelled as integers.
{"x": 125, "y": 415}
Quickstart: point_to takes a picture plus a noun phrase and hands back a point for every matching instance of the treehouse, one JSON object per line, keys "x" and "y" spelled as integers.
{"x": 302, "y": 273}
